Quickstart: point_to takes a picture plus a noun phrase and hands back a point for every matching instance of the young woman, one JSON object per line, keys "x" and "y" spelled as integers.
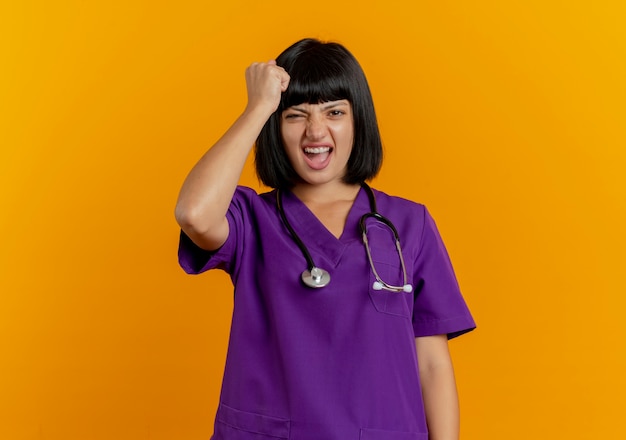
{"x": 338, "y": 332}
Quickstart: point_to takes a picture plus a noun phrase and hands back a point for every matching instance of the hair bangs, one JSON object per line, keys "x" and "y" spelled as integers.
{"x": 314, "y": 83}
{"x": 321, "y": 72}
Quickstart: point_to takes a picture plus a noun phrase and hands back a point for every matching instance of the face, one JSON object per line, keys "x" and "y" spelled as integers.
{"x": 318, "y": 140}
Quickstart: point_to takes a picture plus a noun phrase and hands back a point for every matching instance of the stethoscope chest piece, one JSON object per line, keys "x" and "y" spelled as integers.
{"x": 315, "y": 277}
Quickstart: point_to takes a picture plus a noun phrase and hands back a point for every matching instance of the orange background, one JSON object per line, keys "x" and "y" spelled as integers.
{"x": 506, "y": 118}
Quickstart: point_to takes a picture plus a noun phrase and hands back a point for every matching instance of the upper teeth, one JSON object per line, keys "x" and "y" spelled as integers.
{"x": 317, "y": 150}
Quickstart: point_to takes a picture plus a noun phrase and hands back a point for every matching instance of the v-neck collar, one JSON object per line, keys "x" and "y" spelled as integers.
{"x": 313, "y": 232}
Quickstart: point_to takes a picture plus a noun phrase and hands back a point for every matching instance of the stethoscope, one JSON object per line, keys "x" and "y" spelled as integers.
{"x": 317, "y": 277}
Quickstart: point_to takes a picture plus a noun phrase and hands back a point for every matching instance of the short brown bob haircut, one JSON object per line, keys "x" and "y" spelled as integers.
{"x": 321, "y": 72}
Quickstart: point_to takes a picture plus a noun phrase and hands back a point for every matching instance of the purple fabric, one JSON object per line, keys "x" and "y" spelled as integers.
{"x": 337, "y": 362}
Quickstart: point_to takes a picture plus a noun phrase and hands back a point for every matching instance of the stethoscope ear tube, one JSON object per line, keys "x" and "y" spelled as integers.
{"x": 379, "y": 284}
{"x": 381, "y": 219}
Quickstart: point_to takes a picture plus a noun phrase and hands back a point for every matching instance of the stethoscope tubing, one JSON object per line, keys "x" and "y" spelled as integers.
{"x": 296, "y": 238}
{"x": 316, "y": 277}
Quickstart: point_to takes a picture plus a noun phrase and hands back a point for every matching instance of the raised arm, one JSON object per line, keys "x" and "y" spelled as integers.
{"x": 209, "y": 187}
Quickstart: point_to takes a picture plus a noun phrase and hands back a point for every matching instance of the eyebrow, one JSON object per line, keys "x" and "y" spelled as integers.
{"x": 328, "y": 106}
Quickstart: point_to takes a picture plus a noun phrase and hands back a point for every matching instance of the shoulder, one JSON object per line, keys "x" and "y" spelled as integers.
{"x": 247, "y": 197}
{"x": 245, "y": 193}
{"x": 388, "y": 204}
{"x": 410, "y": 218}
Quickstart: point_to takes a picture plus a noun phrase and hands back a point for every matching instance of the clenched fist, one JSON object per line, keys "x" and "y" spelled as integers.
{"x": 265, "y": 83}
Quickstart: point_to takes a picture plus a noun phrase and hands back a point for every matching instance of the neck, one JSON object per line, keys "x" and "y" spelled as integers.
{"x": 323, "y": 194}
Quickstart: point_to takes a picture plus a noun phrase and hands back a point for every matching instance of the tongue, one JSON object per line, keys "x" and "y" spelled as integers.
{"x": 317, "y": 158}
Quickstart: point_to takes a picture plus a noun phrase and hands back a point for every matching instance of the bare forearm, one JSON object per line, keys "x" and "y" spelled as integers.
{"x": 438, "y": 389}
{"x": 441, "y": 404}
{"x": 208, "y": 189}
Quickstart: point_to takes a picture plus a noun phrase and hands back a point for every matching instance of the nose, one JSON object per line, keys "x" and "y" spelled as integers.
{"x": 315, "y": 128}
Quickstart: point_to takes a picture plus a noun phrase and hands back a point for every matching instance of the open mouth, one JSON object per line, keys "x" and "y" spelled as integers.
{"x": 317, "y": 157}
{"x": 315, "y": 151}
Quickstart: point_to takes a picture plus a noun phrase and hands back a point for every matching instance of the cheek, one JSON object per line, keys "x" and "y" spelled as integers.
{"x": 344, "y": 134}
{"x": 289, "y": 136}
{"x": 290, "y": 144}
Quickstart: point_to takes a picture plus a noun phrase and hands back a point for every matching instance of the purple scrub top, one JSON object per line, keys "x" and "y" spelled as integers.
{"x": 339, "y": 362}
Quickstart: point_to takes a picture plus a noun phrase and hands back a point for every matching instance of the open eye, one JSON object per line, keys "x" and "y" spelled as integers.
{"x": 336, "y": 113}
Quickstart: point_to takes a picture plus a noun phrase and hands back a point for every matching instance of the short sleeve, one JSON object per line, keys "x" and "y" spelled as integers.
{"x": 439, "y": 307}
{"x": 195, "y": 260}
